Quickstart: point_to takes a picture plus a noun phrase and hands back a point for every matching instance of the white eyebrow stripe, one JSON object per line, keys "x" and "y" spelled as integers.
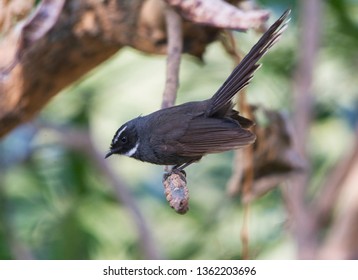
{"x": 132, "y": 151}
{"x": 119, "y": 134}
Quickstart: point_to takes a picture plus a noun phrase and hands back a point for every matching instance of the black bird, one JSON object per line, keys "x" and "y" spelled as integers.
{"x": 183, "y": 134}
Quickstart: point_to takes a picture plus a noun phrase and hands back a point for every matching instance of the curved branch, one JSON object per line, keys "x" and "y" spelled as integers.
{"x": 57, "y": 46}
{"x": 219, "y": 14}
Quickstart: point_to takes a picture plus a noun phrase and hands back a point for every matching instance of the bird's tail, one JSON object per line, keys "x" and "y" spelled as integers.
{"x": 243, "y": 73}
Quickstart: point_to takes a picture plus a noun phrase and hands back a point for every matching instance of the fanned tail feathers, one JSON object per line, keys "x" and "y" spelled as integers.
{"x": 243, "y": 73}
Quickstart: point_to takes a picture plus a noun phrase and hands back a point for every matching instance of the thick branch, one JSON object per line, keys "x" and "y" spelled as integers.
{"x": 65, "y": 39}
{"x": 219, "y": 14}
{"x": 303, "y": 224}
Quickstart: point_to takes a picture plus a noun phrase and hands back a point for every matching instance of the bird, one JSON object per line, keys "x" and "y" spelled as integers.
{"x": 181, "y": 135}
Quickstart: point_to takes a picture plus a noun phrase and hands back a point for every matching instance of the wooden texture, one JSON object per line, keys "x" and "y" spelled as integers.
{"x": 61, "y": 40}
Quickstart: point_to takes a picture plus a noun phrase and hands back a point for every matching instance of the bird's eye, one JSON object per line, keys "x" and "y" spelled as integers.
{"x": 124, "y": 139}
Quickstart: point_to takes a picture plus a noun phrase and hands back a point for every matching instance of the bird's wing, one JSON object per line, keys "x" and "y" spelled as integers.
{"x": 212, "y": 136}
{"x": 185, "y": 131}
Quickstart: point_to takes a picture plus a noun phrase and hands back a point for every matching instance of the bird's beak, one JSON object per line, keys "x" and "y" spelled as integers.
{"x": 109, "y": 153}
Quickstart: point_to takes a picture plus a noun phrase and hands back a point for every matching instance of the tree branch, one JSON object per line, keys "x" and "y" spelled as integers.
{"x": 60, "y": 47}
{"x": 219, "y": 14}
{"x": 175, "y": 46}
{"x": 303, "y": 224}
{"x": 326, "y": 200}
{"x": 341, "y": 240}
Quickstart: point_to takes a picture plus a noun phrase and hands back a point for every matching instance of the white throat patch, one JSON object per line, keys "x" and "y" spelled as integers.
{"x": 132, "y": 151}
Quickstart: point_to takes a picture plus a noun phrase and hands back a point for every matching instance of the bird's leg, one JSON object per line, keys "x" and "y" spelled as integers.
{"x": 180, "y": 167}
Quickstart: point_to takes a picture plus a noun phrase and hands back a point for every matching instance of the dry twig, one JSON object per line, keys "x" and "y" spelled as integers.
{"x": 175, "y": 47}
{"x": 326, "y": 200}
{"x": 175, "y": 187}
{"x": 242, "y": 155}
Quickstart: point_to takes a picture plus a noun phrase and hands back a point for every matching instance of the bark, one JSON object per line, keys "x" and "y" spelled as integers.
{"x": 64, "y": 39}
{"x": 304, "y": 227}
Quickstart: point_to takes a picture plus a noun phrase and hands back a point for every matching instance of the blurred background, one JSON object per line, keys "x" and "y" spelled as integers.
{"x": 59, "y": 199}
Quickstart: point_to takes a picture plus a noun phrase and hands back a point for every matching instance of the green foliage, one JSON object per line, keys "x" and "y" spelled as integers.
{"x": 55, "y": 203}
